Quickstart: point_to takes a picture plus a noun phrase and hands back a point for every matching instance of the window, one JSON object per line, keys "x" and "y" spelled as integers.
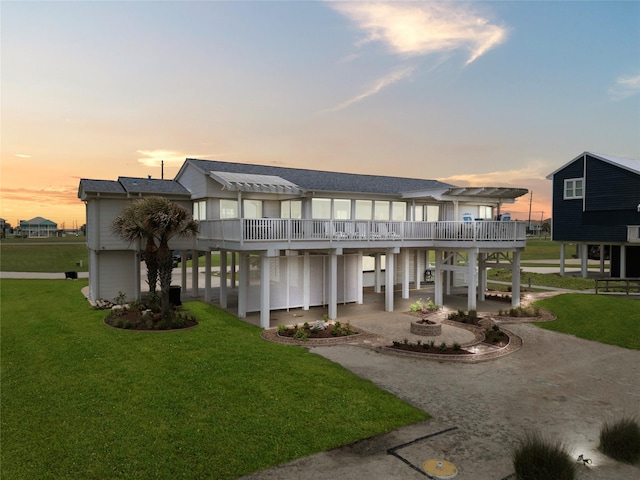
{"x": 200, "y": 210}
{"x": 433, "y": 213}
{"x": 321, "y": 208}
{"x": 291, "y": 209}
{"x": 252, "y": 209}
{"x": 485, "y": 211}
{"x": 381, "y": 210}
{"x": 363, "y": 209}
{"x": 228, "y": 208}
{"x": 573, "y": 188}
{"x": 398, "y": 211}
{"x": 341, "y": 209}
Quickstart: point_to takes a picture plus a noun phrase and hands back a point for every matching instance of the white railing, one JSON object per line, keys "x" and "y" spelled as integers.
{"x": 633, "y": 233}
{"x": 296, "y": 230}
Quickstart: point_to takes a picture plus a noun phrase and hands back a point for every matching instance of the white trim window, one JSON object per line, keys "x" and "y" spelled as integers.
{"x": 573, "y": 188}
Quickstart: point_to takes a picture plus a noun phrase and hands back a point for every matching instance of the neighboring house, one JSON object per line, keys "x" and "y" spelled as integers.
{"x": 300, "y": 237}
{"x": 38, "y": 227}
{"x": 596, "y": 205}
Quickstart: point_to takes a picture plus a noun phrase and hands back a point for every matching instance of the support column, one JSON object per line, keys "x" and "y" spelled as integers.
{"x": 233, "y": 269}
{"x": 376, "y": 273}
{"x": 223, "y": 279}
{"x": 404, "y": 255}
{"x": 448, "y": 274}
{"x": 472, "y": 287}
{"x": 418, "y": 269}
{"x": 332, "y": 294}
{"x": 207, "y": 276}
{"x": 584, "y": 260}
{"x": 306, "y": 281}
{"x": 195, "y": 270}
{"x": 562, "y": 259}
{"x": 482, "y": 276}
{"x": 265, "y": 297}
{"x": 515, "y": 279}
{"x": 389, "y": 280}
{"x": 360, "y": 280}
{"x": 243, "y": 285}
{"x": 602, "y": 258}
{"x": 623, "y": 261}
{"x": 438, "y": 280}
{"x": 183, "y": 270}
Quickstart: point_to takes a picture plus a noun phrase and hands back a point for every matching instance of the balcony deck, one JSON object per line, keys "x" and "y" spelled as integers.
{"x": 247, "y": 234}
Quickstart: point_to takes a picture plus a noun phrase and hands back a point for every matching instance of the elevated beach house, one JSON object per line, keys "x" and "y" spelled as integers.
{"x": 596, "y": 206}
{"x": 300, "y": 238}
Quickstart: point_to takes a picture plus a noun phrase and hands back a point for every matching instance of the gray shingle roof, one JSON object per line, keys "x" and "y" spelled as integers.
{"x": 101, "y": 186}
{"x": 132, "y": 185}
{"x": 152, "y": 185}
{"x": 319, "y": 180}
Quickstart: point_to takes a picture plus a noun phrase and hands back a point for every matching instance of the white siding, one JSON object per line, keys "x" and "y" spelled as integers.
{"x": 116, "y": 272}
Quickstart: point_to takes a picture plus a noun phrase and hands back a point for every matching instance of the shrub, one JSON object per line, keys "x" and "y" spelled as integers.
{"x": 621, "y": 440}
{"x": 535, "y": 458}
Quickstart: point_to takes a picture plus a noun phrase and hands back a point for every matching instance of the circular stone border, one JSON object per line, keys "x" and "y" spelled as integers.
{"x": 271, "y": 335}
{"x": 426, "y": 329}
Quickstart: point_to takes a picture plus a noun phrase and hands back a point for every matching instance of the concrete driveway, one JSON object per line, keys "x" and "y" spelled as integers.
{"x": 562, "y": 386}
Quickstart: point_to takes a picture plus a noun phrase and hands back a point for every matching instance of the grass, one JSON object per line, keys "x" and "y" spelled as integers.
{"x": 82, "y": 400}
{"x": 541, "y": 249}
{"x": 606, "y": 319}
{"x": 542, "y": 279}
{"x": 536, "y": 458}
{"x": 29, "y": 256}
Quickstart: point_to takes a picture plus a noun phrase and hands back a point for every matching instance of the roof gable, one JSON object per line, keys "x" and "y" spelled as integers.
{"x": 631, "y": 164}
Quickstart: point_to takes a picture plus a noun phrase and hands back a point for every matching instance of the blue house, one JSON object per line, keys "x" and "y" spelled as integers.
{"x": 596, "y": 206}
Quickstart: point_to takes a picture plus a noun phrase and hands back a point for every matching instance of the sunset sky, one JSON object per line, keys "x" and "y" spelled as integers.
{"x": 470, "y": 93}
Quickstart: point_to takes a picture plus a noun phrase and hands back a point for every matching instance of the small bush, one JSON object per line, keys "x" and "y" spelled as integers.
{"x": 535, "y": 458}
{"x": 621, "y": 440}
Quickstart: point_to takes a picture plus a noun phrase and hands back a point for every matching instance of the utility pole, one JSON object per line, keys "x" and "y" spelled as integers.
{"x": 530, "y": 201}
{"x": 162, "y": 170}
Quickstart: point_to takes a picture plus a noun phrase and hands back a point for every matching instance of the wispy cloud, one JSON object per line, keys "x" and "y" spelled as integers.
{"x": 412, "y": 30}
{"x": 535, "y": 169}
{"x": 50, "y": 195}
{"x": 417, "y": 29}
{"x": 154, "y": 158}
{"x": 22, "y": 155}
{"x": 624, "y": 87}
{"x": 381, "y": 83}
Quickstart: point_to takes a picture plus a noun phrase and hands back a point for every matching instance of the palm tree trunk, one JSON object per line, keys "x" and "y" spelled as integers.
{"x": 165, "y": 265}
{"x": 151, "y": 260}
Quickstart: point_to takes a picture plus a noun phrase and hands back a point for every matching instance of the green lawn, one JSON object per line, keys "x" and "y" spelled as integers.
{"x": 613, "y": 320}
{"x": 27, "y": 256}
{"x": 542, "y": 279}
{"x": 82, "y": 400}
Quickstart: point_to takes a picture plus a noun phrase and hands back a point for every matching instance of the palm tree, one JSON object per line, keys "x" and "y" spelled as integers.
{"x": 132, "y": 225}
{"x": 168, "y": 220}
{"x": 157, "y": 219}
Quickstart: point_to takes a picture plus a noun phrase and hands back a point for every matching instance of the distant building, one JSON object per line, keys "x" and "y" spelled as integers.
{"x": 596, "y": 206}
{"x": 38, "y": 227}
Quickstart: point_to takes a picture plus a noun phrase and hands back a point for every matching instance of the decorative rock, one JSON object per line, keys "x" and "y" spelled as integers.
{"x": 319, "y": 325}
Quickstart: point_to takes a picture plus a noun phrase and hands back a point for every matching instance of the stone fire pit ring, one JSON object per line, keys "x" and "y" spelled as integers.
{"x": 429, "y": 329}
